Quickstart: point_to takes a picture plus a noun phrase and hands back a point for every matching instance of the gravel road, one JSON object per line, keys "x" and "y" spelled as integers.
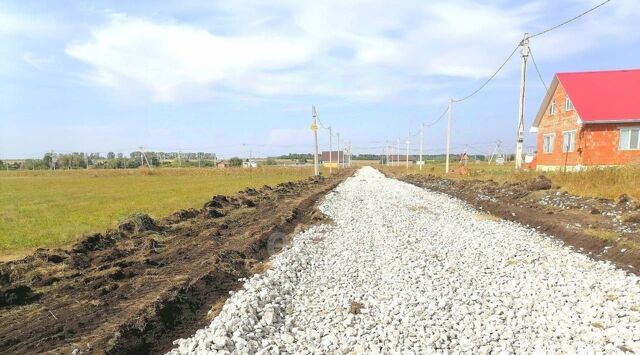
{"x": 406, "y": 270}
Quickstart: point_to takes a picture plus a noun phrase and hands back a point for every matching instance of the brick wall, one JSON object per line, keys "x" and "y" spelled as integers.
{"x": 600, "y": 144}
{"x": 557, "y": 124}
{"x": 596, "y": 144}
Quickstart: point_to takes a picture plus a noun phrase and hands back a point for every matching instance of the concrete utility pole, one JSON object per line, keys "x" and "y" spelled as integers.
{"x": 398, "y": 153}
{"x": 338, "y": 136}
{"x": 421, "y": 142}
{"x": 330, "y": 151}
{"x": 524, "y": 52}
{"x": 407, "y": 156}
{"x": 446, "y": 167}
{"x": 314, "y": 129}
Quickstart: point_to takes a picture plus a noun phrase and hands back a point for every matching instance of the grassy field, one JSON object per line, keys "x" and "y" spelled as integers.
{"x": 51, "y": 209}
{"x": 608, "y": 183}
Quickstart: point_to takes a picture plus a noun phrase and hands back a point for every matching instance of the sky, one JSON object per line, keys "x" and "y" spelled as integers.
{"x": 239, "y": 77}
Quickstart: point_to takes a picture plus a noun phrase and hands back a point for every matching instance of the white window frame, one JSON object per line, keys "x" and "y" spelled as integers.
{"x": 572, "y": 147}
{"x": 552, "y": 137}
{"x": 620, "y": 147}
{"x": 568, "y": 104}
{"x": 552, "y": 108}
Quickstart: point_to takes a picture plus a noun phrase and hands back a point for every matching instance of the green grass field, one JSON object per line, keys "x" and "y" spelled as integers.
{"x": 52, "y": 209}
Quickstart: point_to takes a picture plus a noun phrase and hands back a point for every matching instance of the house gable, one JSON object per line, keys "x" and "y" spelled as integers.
{"x": 561, "y": 118}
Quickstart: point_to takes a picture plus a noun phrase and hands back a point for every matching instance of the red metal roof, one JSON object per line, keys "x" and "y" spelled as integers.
{"x": 604, "y": 96}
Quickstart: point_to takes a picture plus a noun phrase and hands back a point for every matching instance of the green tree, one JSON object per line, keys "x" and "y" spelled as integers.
{"x": 111, "y": 155}
{"x": 235, "y": 161}
{"x": 270, "y": 161}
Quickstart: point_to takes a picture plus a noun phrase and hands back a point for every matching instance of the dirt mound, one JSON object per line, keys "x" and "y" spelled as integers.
{"x": 17, "y": 295}
{"x": 139, "y": 286}
{"x": 537, "y": 184}
{"x": 139, "y": 223}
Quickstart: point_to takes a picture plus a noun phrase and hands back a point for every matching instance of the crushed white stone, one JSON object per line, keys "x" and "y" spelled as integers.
{"x": 431, "y": 277}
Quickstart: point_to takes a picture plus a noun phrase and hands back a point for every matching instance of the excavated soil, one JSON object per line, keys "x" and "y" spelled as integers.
{"x": 136, "y": 288}
{"x": 602, "y": 228}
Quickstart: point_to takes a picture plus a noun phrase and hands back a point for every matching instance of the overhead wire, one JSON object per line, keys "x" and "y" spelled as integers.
{"x": 438, "y": 119}
{"x": 490, "y": 78}
{"x": 569, "y": 20}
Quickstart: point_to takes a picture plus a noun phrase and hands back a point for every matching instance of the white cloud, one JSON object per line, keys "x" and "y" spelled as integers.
{"x": 348, "y": 50}
{"x": 167, "y": 58}
{"x": 18, "y": 24}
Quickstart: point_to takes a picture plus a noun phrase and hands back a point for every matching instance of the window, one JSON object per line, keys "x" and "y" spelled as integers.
{"x": 630, "y": 138}
{"x": 568, "y": 141}
{"x": 552, "y": 108}
{"x": 568, "y": 105}
{"x": 547, "y": 143}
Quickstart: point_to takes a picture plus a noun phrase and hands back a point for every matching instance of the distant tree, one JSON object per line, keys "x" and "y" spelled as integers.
{"x": 235, "y": 161}
{"x": 270, "y": 161}
{"x": 48, "y": 160}
{"x": 111, "y": 155}
{"x": 155, "y": 161}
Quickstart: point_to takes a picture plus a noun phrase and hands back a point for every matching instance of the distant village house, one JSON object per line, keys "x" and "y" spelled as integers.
{"x": 333, "y": 158}
{"x": 589, "y": 119}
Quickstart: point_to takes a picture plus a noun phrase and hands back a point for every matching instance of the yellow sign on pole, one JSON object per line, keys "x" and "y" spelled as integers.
{"x": 314, "y": 127}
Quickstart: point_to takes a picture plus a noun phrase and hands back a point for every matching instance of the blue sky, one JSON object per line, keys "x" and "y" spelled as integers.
{"x": 211, "y": 76}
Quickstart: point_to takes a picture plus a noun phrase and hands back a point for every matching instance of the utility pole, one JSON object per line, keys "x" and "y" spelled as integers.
{"x": 446, "y": 166}
{"x": 407, "y": 156}
{"x": 398, "y": 153}
{"x": 338, "y": 136}
{"x": 198, "y": 160}
{"x": 388, "y": 152}
{"x": 524, "y": 52}
{"x": 179, "y": 160}
{"x": 314, "y": 129}
{"x": 330, "y": 151}
{"x": 421, "y": 142}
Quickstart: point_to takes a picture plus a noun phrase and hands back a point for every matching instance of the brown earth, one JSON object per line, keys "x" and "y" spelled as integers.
{"x": 137, "y": 288}
{"x": 602, "y": 228}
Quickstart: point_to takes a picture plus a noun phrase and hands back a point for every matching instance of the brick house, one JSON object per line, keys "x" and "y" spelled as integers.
{"x": 589, "y": 119}
{"x": 332, "y": 158}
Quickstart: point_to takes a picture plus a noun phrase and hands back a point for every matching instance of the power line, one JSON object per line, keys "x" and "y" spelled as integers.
{"x": 490, "y": 78}
{"x": 535, "y": 65}
{"x": 438, "y": 119}
{"x": 569, "y": 20}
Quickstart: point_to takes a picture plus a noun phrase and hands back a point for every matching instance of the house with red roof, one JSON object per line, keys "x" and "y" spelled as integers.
{"x": 589, "y": 119}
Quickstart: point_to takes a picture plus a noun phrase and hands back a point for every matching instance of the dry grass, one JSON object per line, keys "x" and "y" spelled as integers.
{"x": 607, "y": 183}
{"x": 607, "y": 235}
{"x": 51, "y": 209}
